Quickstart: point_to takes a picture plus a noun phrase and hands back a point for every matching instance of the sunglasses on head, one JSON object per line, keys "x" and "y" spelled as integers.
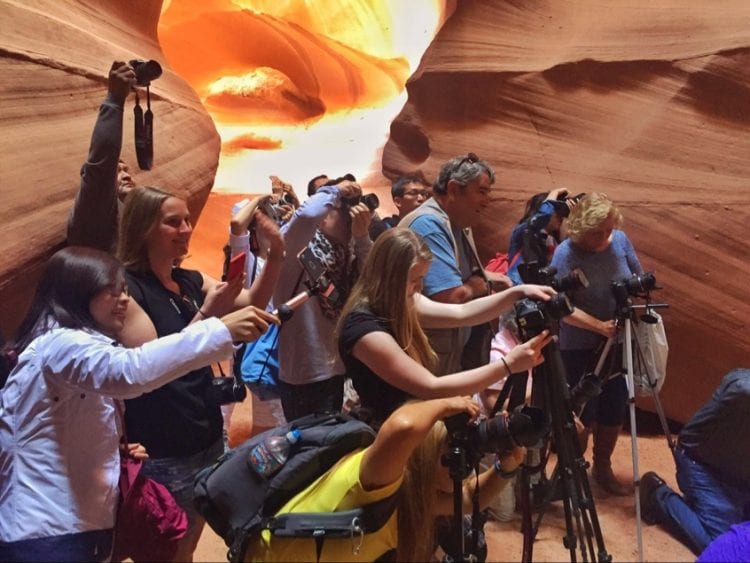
{"x": 471, "y": 158}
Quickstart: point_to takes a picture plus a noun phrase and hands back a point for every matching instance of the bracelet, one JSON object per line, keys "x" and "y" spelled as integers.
{"x": 505, "y": 474}
{"x": 507, "y": 367}
{"x": 202, "y": 314}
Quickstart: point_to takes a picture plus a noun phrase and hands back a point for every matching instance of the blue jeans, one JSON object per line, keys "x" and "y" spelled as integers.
{"x": 709, "y": 507}
{"x": 84, "y": 546}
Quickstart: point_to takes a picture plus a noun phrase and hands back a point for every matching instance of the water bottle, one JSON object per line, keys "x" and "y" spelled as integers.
{"x": 267, "y": 457}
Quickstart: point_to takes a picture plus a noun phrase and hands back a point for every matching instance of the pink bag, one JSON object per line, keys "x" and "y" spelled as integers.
{"x": 149, "y": 521}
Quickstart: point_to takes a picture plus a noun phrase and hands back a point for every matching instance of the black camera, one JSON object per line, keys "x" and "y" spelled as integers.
{"x": 145, "y": 71}
{"x": 634, "y": 286}
{"x": 370, "y": 200}
{"x": 225, "y": 390}
{"x": 561, "y": 203}
{"x": 525, "y": 426}
{"x": 572, "y": 281}
{"x": 533, "y": 317}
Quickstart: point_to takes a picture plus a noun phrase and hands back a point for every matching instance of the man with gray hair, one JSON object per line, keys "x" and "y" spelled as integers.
{"x": 461, "y": 192}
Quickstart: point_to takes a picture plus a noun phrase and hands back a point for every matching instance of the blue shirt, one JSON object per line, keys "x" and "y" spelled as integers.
{"x": 617, "y": 262}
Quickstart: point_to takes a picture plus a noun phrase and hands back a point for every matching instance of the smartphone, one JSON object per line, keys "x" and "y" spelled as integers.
{"x": 312, "y": 265}
{"x": 236, "y": 266}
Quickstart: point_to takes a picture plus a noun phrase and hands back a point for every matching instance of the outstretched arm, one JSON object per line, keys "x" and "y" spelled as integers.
{"x": 383, "y": 355}
{"x": 384, "y": 461}
{"x": 444, "y": 315}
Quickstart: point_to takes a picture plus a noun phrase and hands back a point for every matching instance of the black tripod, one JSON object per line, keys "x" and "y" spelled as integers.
{"x": 581, "y": 521}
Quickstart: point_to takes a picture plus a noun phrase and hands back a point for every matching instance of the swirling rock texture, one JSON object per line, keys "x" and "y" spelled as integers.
{"x": 55, "y": 57}
{"x": 648, "y": 101}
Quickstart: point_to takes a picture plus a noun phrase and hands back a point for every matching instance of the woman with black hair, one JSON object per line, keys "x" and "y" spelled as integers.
{"x": 59, "y": 433}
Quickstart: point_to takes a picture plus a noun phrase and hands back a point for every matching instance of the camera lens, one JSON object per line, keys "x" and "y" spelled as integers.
{"x": 145, "y": 71}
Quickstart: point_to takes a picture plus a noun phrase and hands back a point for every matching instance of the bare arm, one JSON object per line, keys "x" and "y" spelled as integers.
{"x": 138, "y": 327}
{"x": 581, "y": 319}
{"x": 442, "y": 315}
{"x": 384, "y": 461}
{"x": 490, "y": 485}
{"x": 383, "y": 355}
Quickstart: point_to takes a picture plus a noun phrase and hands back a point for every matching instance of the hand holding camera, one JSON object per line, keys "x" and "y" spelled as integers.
{"x": 120, "y": 81}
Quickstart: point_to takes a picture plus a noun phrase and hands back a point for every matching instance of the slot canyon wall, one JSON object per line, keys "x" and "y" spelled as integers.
{"x": 54, "y": 58}
{"x": 647, "y": 101}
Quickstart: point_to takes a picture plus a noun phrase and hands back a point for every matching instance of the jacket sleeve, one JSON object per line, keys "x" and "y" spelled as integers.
{"x": 97, "y": 364}
{"x": 93, "y": 219}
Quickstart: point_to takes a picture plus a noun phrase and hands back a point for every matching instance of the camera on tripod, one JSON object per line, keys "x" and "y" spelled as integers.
{"x": 533, "y": 317}
{"x": 531, "y": 272}
{"x": 525, "y": 426}
{"x": 634, "y": 286}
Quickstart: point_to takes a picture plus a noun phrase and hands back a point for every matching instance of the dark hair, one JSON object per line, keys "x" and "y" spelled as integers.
{"x": 399, "y": 186}
{"x": 463, "y": 170}
{"x": 73, "y": 276}
{"x": 532, "y": 205}
{"x": 311, "y": 188}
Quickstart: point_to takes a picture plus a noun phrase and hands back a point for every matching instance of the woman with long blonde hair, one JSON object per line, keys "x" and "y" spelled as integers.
{"x": 381, "y": 337}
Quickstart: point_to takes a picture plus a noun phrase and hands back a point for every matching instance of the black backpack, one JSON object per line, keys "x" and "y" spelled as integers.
{"x": 238, "y": 503}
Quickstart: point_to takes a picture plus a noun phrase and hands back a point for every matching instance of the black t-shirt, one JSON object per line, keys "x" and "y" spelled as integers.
{"x": 174, "y": 420}
{"x": 375, "y": 394}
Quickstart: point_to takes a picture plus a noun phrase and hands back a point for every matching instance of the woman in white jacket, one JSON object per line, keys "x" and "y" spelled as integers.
{"x": 59, "y": 432}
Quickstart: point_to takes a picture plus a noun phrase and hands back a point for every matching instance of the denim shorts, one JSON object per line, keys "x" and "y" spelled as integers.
{"x": 178, "y": 475}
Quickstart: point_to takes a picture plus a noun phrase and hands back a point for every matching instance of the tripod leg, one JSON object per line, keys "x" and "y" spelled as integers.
{"x": 633, "y": 435}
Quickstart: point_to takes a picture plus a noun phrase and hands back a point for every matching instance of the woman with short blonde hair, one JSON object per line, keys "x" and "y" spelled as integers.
{"x": 604, "y": 253}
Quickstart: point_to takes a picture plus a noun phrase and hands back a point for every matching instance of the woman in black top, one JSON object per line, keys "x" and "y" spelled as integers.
{"x": 179, "y": 424}
{"x": 381, "y": 340}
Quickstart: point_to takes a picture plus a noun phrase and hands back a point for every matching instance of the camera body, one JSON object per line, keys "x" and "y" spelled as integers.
{"x": 370, "y": 200}
{"x": 525, "y": 426}
{"x": 145, "y": 71}
{"x": 533, "y": 316}
{"x": 634, "y": 286}
{"x": 225, "y": 390}
{"x": 531, "y": 272}
{"x": 562, "y": 208}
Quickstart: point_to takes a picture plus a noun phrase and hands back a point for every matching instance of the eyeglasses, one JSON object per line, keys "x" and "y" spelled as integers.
{"x": 417, "y": 193}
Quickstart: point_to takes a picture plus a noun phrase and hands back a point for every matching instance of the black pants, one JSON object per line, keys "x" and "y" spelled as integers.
{"x": 320, "y": 396}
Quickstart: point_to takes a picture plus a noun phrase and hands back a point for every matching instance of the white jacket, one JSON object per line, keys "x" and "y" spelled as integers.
{"x": 59, "y": 433}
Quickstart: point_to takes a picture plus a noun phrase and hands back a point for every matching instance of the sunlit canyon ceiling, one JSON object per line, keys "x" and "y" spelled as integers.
{"x": 298, "y": 88}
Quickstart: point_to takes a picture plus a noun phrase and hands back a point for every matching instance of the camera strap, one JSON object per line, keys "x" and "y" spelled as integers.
{"x": 144, "y": 132}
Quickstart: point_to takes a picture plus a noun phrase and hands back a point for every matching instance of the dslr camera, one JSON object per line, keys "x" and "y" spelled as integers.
{"x": 572, "y": 281}
{"x": 525, "y": 426}
{"x": 225, "y": 390}
{"x": 370, "y": 200}
{"x": 533, "y": 316}
{"x": 145, "y": 71}
{"x": 634, "y": 286}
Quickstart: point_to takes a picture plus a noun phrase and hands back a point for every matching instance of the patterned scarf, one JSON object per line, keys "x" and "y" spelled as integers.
{"x": 339, "y": 262}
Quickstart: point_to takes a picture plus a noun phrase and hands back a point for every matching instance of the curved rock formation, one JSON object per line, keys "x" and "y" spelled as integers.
{"x": 55, "y": 57}
{"x": 646, "y": 101}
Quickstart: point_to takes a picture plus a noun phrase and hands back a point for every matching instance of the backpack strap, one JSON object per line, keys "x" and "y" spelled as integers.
{"x": 366, "y": 519}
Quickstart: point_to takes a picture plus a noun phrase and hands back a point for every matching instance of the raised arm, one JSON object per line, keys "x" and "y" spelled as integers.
{"x": 384, "y": 461}
{"x": 383, "y": 355}
{"x": 93, "y": 219}
{"x": 433, "y": 314}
